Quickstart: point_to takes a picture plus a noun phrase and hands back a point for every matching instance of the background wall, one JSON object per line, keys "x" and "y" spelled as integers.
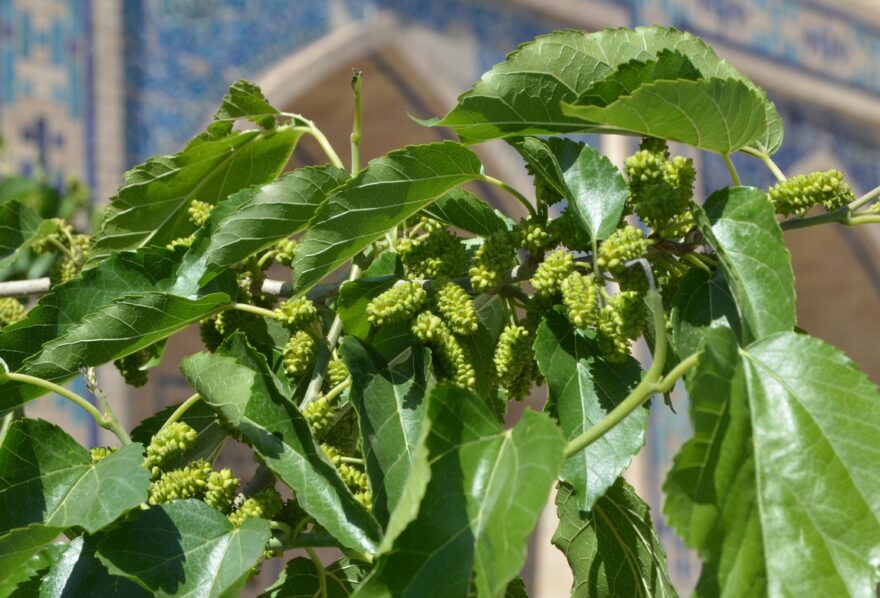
{"x": 94, "y": 87}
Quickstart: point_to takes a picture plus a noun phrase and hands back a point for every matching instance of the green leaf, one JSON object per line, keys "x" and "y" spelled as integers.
{"x": 718, "y": 115}
{"x": 210, "y": 437}
{"x": 151, "y": 206}
{"x": 613, "y": 550}
{"x": 740, "y": 224}
{"x": 701, "y": 301}
{"x": 492, "y": 317}
{"x": 113, "y": 309}
{"x": 257, "y": 217}
{"x": 594, "y": 188}
{"x": 484, "y": 497}
{"x": 667, "y": 65}
{"x": 20, "y": 226}
{"x": 465, "y": 211}
{"x": 523, "y": 95}
{"x": 18, "y": 546}
{"x": 184, "y": 548}
{"x": 79, "y": 573}
{"x": 389, "y": 396}
{"x": 237, "y": 383}
{"x": 25, "y": 579}
{"x": 815, "y": 418}
{"x": 795, "y": 505}
{"x": 243, "y": 100}
{"x": 355, "y": 295}
{"x": 583, "y": 388}
{"x": 49, "y": 479}
{"x": 384, "y": 194}
{"x": 300, "y": 580}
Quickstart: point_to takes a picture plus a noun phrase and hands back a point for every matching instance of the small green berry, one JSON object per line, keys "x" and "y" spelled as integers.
{"x": 397, "y": 304}
{"x": 296, "y": 313}
{"x": 800, "y": 193}
{"x": 170, "y": 441}
{"x": 580, "y": 295}
{"x": 190, "y": 481}
{"x": 100, "y": 452}
{"x": 220, "y": 490}
{"x": 299, "y": 354}
{"x": 285, "y": 249}
{"x": 495, "y": 256}
{"x": 320, "y": 414}
{"x": 457, "y": 308}
{"x": 551, "y": 272}
{"x": 199, "y": 211}
{"x": 11, "y": 311}
{"x": 625, "y": 244}
{"x": 265, "y": 504}
{"x": 452, "y": 359}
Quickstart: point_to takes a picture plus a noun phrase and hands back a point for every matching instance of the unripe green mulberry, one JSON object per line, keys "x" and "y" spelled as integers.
{"x": 439, "y": 254}
{"x": 285, "y": 250}
{"x": 336, "y": 373}
{"x": 320, "y": 415}
{"x": 11, "y": 311}
{"x": 353, "y": 477}
{"x": 209, "y": 334}
{"x": 333, "y": 454}
{"x": 296, "y": 313}
{"x": 513, "y": 361}
{"x": 397, "y": 304}
{"x": 45, "y": 245}
{"x": 532, "y": 236}
{"x": 199, "y": 211}
{"x": 800, "y": 193}
{"x": 495, "y": 256}
{"x": 625, "y": 244}
{"x": 580, "y": 294}
{"x": 644, "y": 169}
{"x": 621, "y": 320}
{"x": 170, "y": 441}
{"x": 100, "y": 452}
{"x": 551, "y": 272}
{"x": 66, "y": 268}
{"x": 187, "y": 482}
{"x": 130, "y": 367}
{"x": 299, "y": 354}
{"x": 661, "y": 188}
{"x": 457, "y": 307}
{"x": 220, "y": 490}
{"x": 181, "y": 242}
{"x": 453, "y": 362}
{"x": 227, "y": 322}
{"x": 265, "y": 504}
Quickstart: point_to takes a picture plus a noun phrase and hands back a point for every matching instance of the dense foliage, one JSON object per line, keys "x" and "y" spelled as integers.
{"x": 373, "y": 388}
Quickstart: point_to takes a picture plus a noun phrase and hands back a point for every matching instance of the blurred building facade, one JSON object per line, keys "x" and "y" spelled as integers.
{"x": 93, "y": 87}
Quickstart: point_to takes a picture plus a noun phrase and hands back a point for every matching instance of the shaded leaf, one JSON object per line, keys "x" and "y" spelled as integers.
{"x": 389, "y": 396}
{"x": 20, "y": 226}
{"x": 384, "y": 194}
{"x": 465, "y": 211}
{"x": 613, "y": 550}
{"x": 300, "y": 580}
{"x": 184, "y": 548}
{"x": 485, "y": 493}
{"x": 25, "y": 579}
{"x": 740, "y": 224}
{"x": 701, "y": 301}
{"x": 583, "y": 388}
{"x": 78, "y": 572}
{"x": 237, "y": 383}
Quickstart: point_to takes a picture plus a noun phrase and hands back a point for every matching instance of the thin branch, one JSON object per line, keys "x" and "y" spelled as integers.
{"x": 25, "y": 288}
{"x": 113, "y": 423}
{"x": 734, "y": 175}
{"x": 181, "y": 409}
{"x": 519, "y": 196}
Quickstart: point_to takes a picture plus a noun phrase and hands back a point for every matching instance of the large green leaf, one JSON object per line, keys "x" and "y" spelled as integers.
{"x": 210, "y": 436}
{"x": 613, "y": 550}
{"x": 184, "y": 548}
{"x": 300, "y": 579}
{"x": 484, "y": 497}
{"x": 583, "y": 388}
{"x": 793, "y": 506}
{"x": 151, "y": 206}
{"x": 389, "y": 396}
{"x": 79, "y": 573}
{"x": 523, "y": 95}
{"x": 25, "y": 579}
{"x": 465, "y": 211}
{"x": 237, "y": 382}
{"x": 48, "y": 483}
{"x": 20, "y": 226}
{"x": 718, "y": 115}
{"x": 384, "y": 194}
{"x": 740, "y": 224}
{"x": 702, "y": 300}
{"x": 257, "y": 217}
{"x": 243, "y": 100}
{"x": 113, "y": 309}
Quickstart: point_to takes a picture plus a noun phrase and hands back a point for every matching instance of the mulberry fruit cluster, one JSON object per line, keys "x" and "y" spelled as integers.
{"x": 131, "y": 366}
{"x": 265, "y": 504}
{"x": 457, "y": 308}
{"x": 99, "y": 453}
{"x": 355, "y": 479}
{"x": 661, "y": 188}
{"x": 624, "y": 244}
{"x": 580, "y": 295}
{"x": 495, "y": 256}
{"x": 285, "y": 250}
{"x": 190, "y": 481}
{"x": 800, "y": 193}
{"x": 296, "y": 313}
{"x": 336, "y": 373}
{"x": 11, "y": 311}
{"x": 514, "y": 361}
{"x": 532, "y": 236}
{"x": 220, "y": 490}
{"x": 299, "y": 354}
{"x": 320, "y": 415}
{"x": 620, "y": 321}
{"x": 550, "y": 273}
{"x": 199, "y": 211}
{"x": 398, "y": 304}
{"x": 68, "y": 267}
{"x": 437, "y": 254}
{"x": 169, "y": 442}
{"x": 453, "y": 361}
